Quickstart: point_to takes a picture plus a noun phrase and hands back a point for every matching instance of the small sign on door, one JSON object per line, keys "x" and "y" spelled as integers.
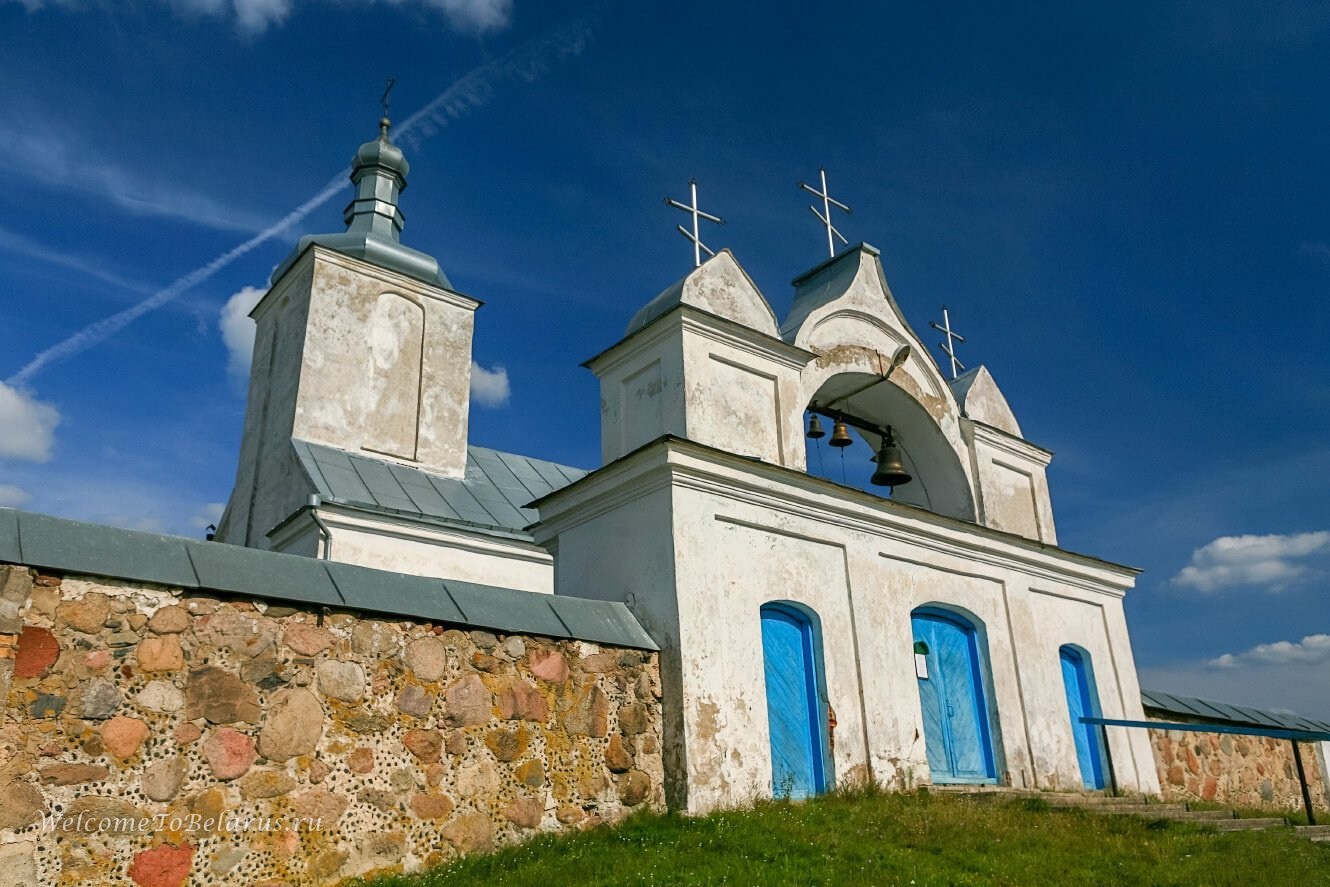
{"x": 921, "y": 660}
{"x": 921, "y": 666}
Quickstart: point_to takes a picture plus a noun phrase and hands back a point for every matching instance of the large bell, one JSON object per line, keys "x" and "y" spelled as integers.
{"x": 890, "y": 469}
{"x": 840, "y": 435}
{"x": 815, "y": 427}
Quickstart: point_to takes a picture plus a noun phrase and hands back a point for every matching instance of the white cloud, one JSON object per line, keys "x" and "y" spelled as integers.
{"x": 1252, "y": 560}
{"x": 489, "y": 388}
{"x": 27, "y": 426}
{"x": 69, "y": 160}
{"x": 208, "y": 514}
{"x": 1312, "y": 648}
{"x": 238, "y": 329}
{"x": 469, "y": 91}
{"x": 256, "y": 16}
{"x": 23, "y": 246}
{"x": 1291, "y": 686}
{"x": 12, "y": 497}
{"x": 475, "y": 15}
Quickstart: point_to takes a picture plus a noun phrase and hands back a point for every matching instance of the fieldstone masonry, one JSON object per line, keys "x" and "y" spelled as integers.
{"x": 1245, "y": 771}
{"x": 238, "y": 742}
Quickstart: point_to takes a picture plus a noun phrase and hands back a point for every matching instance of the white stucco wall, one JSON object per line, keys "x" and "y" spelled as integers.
{"x": 354, "y": 356}
{"x": 386, "y": 366}
{"x": 1013, "y": 483}
{"x": 707, "y": 378}
{"x": 744, "y": 534}
{"x": 406, "y": 546}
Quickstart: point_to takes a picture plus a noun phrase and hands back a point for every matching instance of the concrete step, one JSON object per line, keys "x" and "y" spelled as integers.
{"x": 1053, "y": 798}
{"x": 1097, "y": 802}
{"x": 1197, "y": 816}
{"x": 1125, "y": 808}
{"x": 1242, "y": 825}
{"x": 1319, "y": 839}
{"x": 1312, "y": 831}
{"x": 1164, "y": 811}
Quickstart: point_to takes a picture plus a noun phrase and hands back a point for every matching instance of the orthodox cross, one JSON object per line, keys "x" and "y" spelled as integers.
{"x": 392, "y": 81}
{"x": 825, "y": 216}
{"x": 948, "y": 347}
{"x": 698, "y": 246}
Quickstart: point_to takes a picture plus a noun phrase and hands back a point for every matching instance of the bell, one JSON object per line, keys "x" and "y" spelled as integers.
{"x": 890, "y": 469}
{"x": 840, "y": 435}
{"x": 815, "y": 427}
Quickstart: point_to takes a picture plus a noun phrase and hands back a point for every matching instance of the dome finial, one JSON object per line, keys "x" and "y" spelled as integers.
{"x": 384, "y": 122}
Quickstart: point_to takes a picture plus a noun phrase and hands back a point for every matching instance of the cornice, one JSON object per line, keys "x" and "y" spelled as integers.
{"x": 684, "y": 464}
{"x": 1010, "y": 443}
{"x": 687, "y": 318}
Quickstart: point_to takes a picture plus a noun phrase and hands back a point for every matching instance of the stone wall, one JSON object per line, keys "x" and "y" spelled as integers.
{"x": 1244, "y": 771}
{"x": 152, "y": 738}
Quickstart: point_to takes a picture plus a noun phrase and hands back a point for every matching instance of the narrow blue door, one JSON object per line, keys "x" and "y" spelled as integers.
{"x": 1076, "y": 679}
{"x": 951, "y": 694}
{"x": 792, "y": 703}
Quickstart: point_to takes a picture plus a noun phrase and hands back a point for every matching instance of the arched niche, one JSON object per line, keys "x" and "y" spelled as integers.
{"x": 396, "y": 334}
{"x": 940, "y": 481}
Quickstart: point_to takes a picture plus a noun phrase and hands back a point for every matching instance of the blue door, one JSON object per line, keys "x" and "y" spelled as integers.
{"x": 793, "y": 709}
{"x": 951, "y": 692}
{"x": 1080, "y": 702}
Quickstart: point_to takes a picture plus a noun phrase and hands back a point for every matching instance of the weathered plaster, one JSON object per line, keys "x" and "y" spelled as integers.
{"x": 742, "y": 534}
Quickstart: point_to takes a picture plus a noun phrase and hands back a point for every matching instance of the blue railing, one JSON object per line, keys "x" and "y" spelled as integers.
{"x": 1293, "y": 736}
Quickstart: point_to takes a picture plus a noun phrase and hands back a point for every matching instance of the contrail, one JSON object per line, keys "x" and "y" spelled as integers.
{"x": 472, "y": 90}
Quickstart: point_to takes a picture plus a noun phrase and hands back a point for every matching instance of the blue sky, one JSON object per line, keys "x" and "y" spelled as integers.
{"x": 1126, "y": 205}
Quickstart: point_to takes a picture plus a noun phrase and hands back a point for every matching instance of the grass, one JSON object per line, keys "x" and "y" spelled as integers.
{"x": 871, "y": 838}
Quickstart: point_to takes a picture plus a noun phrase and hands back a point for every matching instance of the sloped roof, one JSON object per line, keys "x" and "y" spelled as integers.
{"x": 1204, "y": 709}
{"x": 718, "y": 286}
{"x": 492, "y": 496}
{"x": 50, "y": 543}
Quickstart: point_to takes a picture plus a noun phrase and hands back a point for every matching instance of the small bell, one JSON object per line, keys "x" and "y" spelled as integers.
{"x": 815, "y": 427}
{"x": 890, "y": 469}
{"x": 840, "y": 435}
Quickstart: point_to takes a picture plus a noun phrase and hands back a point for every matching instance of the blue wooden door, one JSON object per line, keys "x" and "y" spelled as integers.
{"x": 951, "y": 694}
{"x": 793, "y": 709}
{"x": 1089, "y": 754}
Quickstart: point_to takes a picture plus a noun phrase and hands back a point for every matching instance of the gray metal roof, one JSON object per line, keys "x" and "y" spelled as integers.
{"x": 492, "y": 496}
{"x": 1204, "y": 709}
{"x": 50, "y": 543}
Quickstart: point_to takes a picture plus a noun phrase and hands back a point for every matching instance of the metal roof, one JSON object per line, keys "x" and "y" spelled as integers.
{"x": 50, "y": 543}
{"x": 492, "y": 496}
{"x": 1224, "y": 712}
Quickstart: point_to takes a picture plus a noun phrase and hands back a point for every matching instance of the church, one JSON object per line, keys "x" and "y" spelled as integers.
{"x": 926, "y": 629}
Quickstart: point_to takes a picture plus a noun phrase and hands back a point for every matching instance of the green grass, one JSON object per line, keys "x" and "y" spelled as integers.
{"x": 874, "y": 838}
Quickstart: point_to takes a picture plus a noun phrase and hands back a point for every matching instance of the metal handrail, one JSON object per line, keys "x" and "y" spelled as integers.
{"x": 1293, "y": 736}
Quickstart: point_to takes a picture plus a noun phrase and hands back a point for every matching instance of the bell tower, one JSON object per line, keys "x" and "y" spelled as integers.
{"x": 362, "y": 344}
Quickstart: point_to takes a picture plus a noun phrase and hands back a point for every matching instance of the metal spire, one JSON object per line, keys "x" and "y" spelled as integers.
{"x": 698, "y": 246}
{"x": 384, "y": 122}
{"x": 948, "y": 347}
{"x": 825, "y": 216}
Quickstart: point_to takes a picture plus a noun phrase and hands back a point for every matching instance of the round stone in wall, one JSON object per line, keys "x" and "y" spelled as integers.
{"x": 292, "y": 726}
{"x": 427, "y": 658}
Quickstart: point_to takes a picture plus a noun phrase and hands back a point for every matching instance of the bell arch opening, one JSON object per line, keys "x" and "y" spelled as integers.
{"x": 938, "y": 481}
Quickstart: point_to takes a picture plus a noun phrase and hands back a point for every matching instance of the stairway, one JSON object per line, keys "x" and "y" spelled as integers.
{"x": 1220, "y": 820}
{"x": 1318, "y": 833}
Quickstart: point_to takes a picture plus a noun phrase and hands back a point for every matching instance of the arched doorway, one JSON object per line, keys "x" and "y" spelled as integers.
{"x": 795, "y": 710}
{"x": 949, "y": 669}
{"x": 1078, "y": 679}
